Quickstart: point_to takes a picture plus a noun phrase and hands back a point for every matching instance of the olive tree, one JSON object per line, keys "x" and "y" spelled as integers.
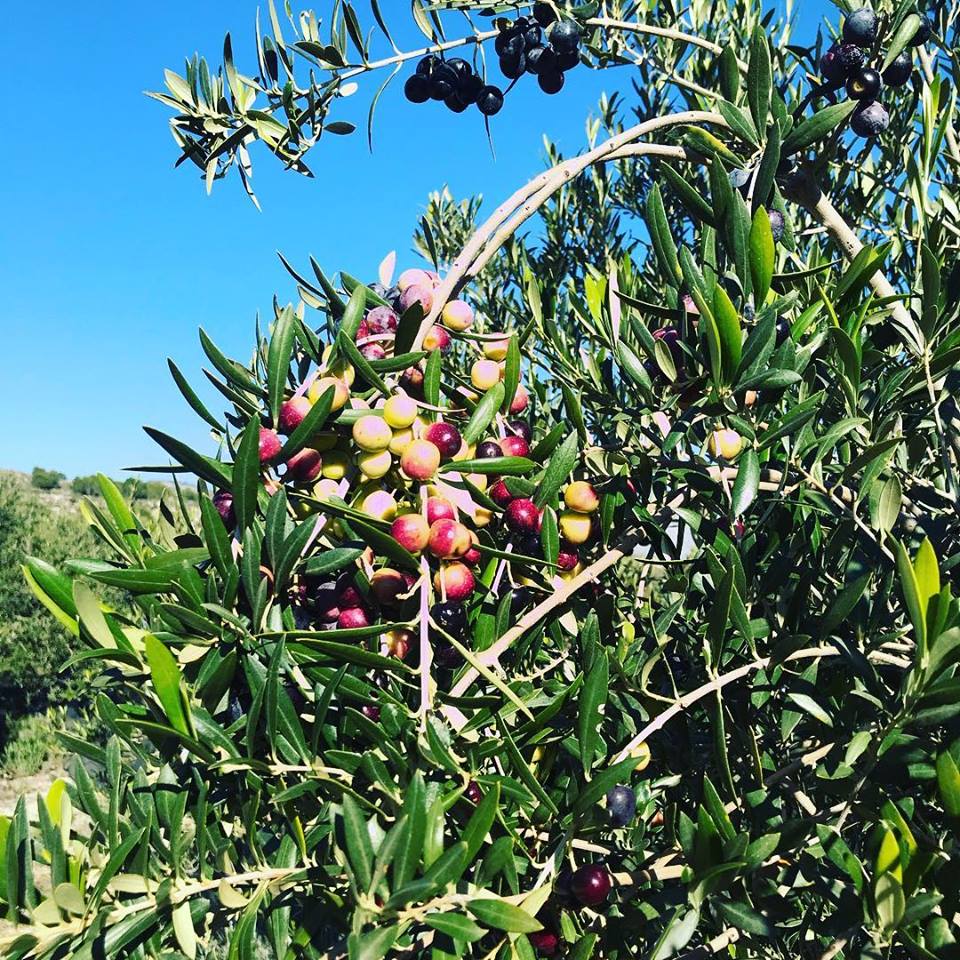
{"x": 589, "y": 593}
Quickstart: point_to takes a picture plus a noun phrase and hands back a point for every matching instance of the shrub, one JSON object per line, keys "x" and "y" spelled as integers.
{"x": 46, "y": 479}
{"x": 399, "y": 691}
{"x": 85, "y": 486}
{"x": 37, "y": 740}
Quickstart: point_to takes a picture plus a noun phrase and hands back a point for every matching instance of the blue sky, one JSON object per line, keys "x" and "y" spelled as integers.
{"x": 110, "y": 259}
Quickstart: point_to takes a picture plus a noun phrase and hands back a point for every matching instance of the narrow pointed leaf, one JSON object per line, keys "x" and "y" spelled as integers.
{"x": 168, "y": 683}
{"x": 747, "y": 483}
{"x": 246, "y": 475}
{"x": 762, "y": 254}
{"x": 820, "y": 125}
{"x": 484, "y": 412}
{"x": 278, "y": 359}
{"x": 759, "y": 78}
{"x": 501, "y": 915}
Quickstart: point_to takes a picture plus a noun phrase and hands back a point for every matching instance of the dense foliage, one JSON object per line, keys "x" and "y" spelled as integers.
{"x": 679, "y": 672}
{"x": 33, "y": 646}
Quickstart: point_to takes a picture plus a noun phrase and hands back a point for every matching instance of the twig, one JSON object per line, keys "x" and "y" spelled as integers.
{"x": 847, "y": 509}
{"x": 613, "y": 556}
{"x": 807, "y": 760}
{"x": 492, "y": 654}
{"x": 718, "y": 943}
{"x": 666, "y": 33}
{"x": 426, "y": 652}
{"x": 626, "y": 26}
{"x": 356, "y": 71}
{"x": 834, "y": 949}
{"x": 687, "y": 700}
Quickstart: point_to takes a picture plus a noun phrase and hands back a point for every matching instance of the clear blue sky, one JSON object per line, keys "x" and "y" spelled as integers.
{"x": 110, "y": 259}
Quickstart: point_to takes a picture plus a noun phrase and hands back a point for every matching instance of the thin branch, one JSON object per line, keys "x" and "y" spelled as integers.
{"x": 810, "y": 759}
{"x": 720, "y": 942}
{"x": 849, "y": 511}
{"x": 835, "y": 948}
{"x": 613, "y": 556}
{"x": 543, "y": 195}
{"x": 475, "y": 38}
{"x": 666, "y": 33}
{"x": 687, "y": 700}
{"x": 529, "y": 620}
{"x": 625, "y": 26}
{"x": 426, "y": 651}
{"x": 320, "y": 102}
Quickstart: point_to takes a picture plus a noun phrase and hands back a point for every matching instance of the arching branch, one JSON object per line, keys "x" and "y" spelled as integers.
{"x": 529, "y": 198}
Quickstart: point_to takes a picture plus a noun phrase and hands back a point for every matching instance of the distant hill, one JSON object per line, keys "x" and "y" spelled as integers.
{"x": 58, "y": 491}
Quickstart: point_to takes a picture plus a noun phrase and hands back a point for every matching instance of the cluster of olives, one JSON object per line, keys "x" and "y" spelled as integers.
{"x": 455, "y": 83}
{"x": 542, "y": 44}
{"x": 394, "y": 459}
{"x": 847, "y": 64}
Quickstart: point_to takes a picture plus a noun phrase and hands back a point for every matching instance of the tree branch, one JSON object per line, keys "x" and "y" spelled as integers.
{"x": 492, "y": 654}
{"x": 665, "y": 33}
{"x": 540, "y": 198}
{"x": 817, "y": 203}
{"x": 540, "y": 188}
{"x": 718, "y": 683}
{"x": 533, "y": 617}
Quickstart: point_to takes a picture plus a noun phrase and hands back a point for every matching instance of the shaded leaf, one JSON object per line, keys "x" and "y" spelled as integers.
{"x": 747, "y": 483}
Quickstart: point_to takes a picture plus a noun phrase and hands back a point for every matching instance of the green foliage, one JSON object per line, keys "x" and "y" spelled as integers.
{"x": 33, "y": 647}
{"x": 133, "y": 488}
{"x": 46, "y": 479}
{"x": 85, "y": 486}
{"x": 762, "y": 611}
